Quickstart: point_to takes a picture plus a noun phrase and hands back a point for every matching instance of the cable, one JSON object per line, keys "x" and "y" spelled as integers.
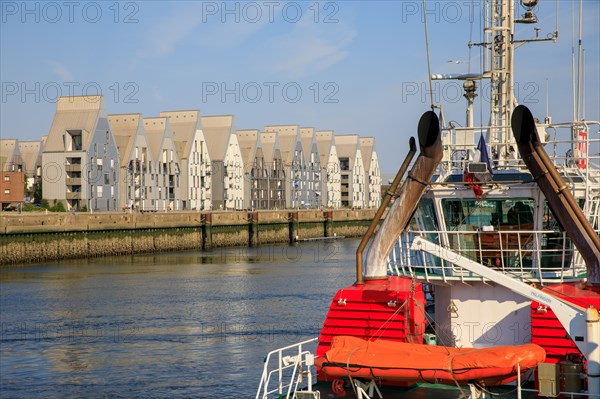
{"x": 428, "y": 56}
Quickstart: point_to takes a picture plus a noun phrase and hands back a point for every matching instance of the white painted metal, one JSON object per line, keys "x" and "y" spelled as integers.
{"x": 403, "y": 261}
{"x": 293, "y": 363}
{"x": 571, "y": 316}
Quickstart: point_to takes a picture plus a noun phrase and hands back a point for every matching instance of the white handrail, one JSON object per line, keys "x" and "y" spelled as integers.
{"x": 522, "y": 254}
{"x": 284, "y": 363}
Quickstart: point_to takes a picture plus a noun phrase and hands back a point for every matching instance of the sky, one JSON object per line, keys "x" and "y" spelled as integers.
{"x": 354, "y": 67}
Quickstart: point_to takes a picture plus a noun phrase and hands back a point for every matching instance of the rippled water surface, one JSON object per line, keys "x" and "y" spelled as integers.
{"x": 177, "y": 325}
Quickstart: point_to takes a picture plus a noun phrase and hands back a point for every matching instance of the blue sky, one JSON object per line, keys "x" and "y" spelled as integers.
{"x": 355, "y": 67}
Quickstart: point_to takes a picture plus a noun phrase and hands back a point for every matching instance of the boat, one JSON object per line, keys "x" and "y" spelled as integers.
{"x": 492, "y": 240}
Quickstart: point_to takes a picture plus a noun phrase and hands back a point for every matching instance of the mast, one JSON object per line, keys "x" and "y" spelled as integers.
{"x": 499, "y": 67}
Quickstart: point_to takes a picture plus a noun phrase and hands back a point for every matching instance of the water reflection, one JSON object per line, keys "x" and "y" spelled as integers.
{"x": 185, "y": 324}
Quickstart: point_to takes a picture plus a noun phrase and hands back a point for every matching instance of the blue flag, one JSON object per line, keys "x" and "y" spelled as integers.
{"x": 483, "y": 153}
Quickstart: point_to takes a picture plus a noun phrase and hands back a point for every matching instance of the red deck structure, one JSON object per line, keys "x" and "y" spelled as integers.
{"x": 391, "y": 309}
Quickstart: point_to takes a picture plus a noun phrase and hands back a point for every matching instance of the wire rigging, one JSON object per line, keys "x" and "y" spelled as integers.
{"x": 428, "y": 56}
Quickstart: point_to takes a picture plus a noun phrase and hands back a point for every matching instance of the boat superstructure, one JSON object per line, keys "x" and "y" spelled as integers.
{"x": 485, "y": 204}
{"x": 476, "y": 223}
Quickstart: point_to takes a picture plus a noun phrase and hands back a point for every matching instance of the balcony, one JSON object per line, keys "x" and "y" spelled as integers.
{"x": 73, "y": 195}
{"x": 73, "y": 181}
{"x": 73, "y": 167}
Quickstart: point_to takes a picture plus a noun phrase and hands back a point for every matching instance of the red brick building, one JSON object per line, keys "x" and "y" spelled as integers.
{"x": 12, "y": 188}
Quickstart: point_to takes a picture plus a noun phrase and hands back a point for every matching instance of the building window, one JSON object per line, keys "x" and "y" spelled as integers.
{"x": 6, "y": 178}
{"x": 7, "y": 191}
{"x": 73, "y": 140}
{"x": 344, "y": 164}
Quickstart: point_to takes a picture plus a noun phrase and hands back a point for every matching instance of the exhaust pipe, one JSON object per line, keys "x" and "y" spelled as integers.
{"x": 384, "y": 203}
{"x": 398, "y": 218}
{"x": 561, "y": 201}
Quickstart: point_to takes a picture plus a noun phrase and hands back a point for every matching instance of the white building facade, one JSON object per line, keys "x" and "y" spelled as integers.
{"x": 292, "y": 155}
{"x": 372, "y": 172}
{"x": 138, "y": 183}
{"x": 352, "y": 171}
{"x": 227, "y": 167}
{"x": 312, "y": 169}
{"x": 80, "y": 160}
{"x": 330, "y": 170}
{"x": 194, "y": 157}
{"x": 167, "y": 172}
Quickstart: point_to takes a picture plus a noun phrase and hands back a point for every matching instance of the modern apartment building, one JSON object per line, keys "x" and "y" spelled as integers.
{"x": 292, "y": 155}
{"x": 312, "y": 168}
{"x": 31, "y": 153}
{"x": 372, "y": 172}
{"x": 227, "y": 166}
{"x": 137, "y": 184}
{"x": 80, "y": 160}
{"x": 167, "y": 173}
{"x": 10, "y": 156}
{"x": 193, "y": 154}
{"x": 276, "y": 182}
{"x": 256, "y": 178}
{"x": 330, "y": 170}
{"x": 352, "y": 171}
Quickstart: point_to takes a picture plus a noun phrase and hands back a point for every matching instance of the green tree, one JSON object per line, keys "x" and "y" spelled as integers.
{"x": 58, "y": 207}
{"x": 37, "y": 192}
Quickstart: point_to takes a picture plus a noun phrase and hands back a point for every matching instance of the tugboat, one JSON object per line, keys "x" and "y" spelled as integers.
{"x": 490, "y": 244}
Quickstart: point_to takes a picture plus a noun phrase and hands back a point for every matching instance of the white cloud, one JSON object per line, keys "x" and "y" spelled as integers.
{"x": 176, "y": 27}
{"x": 62, "y": 72}
{"x": 308, "y": 48}
{"x": 157, "y": 94}
{"x": 229, "y": 34}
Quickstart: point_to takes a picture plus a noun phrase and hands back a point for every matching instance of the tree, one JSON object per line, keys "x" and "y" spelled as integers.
{"x": 37, "y": 192}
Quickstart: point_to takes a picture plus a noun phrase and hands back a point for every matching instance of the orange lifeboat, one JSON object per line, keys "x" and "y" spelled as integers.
{"x": 399, "y": 361}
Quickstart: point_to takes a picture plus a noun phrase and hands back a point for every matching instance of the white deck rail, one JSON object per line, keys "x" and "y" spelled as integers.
{"x": 527, "y": 255}
{"x": 285, "y": 370}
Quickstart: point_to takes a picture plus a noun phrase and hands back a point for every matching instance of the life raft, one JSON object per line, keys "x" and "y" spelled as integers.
{"x": 398, "y": 361}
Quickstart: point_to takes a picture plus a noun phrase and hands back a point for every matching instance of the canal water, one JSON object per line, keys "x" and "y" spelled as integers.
{"x": 176, "y": 325}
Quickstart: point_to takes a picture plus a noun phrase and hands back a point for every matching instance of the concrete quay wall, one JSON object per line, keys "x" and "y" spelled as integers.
{"x": 40, "y": 237}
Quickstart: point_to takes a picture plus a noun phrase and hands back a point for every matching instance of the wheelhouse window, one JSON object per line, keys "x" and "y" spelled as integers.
{"x": 492, "y": 231}
{"x": 473, "y": 214}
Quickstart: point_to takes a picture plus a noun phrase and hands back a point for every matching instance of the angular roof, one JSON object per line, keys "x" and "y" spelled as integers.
{"x": 9, "y": 153}
{"x": 270, "y": 145}
{"x": 125, "y": 128}
{"x": 288, "y": 137}
{"x": 183, "y": 128}
{"x": 324, "y": 142}
{"x": 367, "y": 146}
{"x": 307, "y": 135}
{"x": 346, "y": 146}
{"x": 217, "y": 133}
{"x": 30, "y": 152}
{"x": 74, "y": 112}
{"x": 156, "y": 130}
{"x": 249, "y": 144}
